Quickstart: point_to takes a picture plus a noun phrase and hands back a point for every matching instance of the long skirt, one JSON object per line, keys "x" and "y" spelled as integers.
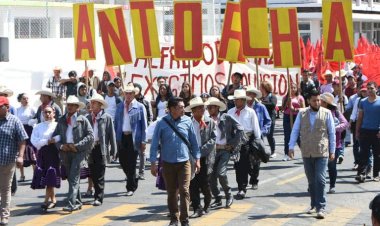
{"x": 30, "y": 151}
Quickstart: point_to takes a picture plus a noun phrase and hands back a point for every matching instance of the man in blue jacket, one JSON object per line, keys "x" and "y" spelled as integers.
{"x": 130, "y": 125}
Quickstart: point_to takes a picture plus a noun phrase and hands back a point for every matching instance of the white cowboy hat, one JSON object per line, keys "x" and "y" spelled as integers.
{"x": 6, "y": 91}
{"x": 328, "y": 98}
{"x": 239, "y": 94}
{"x": 252, "y": 89}
{"x": 195, "y": 102}
{"x": 74, "y": 100}
{"x": 99, "y": 98}
{"x": 351, "y": 65}
{"x": 215, "y": 101}
{"x": 130, "y": 88}
{"x": 46, "y": 92}
{"x": 342, "y": 73}
{"x": 57, "y": 68}
{"x": 327, "y": 72}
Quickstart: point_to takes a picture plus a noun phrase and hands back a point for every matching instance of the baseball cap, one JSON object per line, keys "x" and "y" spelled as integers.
{"x": 4, "y": 101}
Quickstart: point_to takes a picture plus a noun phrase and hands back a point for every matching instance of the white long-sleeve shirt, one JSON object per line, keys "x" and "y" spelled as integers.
{"x": 248, "y": 119}
{"x": 42, "y": 132}
{"x": 25, "y": 114}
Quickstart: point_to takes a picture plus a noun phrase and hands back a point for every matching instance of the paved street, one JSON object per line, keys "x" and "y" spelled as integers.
{"x": 280, "y": 200}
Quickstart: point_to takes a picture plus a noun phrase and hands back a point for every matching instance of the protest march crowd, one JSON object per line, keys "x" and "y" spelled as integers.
{"x": 84, "y": 123}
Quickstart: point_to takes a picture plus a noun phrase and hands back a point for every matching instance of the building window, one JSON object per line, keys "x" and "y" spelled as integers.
{"x": 304, "y": 28}
{"x": 66, "y": 28}
{"x": 31, "y": 28}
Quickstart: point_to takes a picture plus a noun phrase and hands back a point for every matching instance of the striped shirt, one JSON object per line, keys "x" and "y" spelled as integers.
{"x": 12, "y": 132}
{"x": 56, "y": 87}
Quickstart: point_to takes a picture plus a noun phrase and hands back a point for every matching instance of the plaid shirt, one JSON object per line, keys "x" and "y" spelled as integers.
{"x": 56, "y": 87}
{"x": 11, "y": 133}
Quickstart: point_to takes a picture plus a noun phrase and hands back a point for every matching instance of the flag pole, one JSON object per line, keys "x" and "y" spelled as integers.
{"x": 121, "y": 76}
{"x": 151, "y": 76}
{"x": 340, "y": 88}
{"x": 257, "y": 73}
{"x": 86, "y": 71}
{"x": 229, "y": 76}
{"x": 289, "y": 98}
{"x": 189, "y": 72}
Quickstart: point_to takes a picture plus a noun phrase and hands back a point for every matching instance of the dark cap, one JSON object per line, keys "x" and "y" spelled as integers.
{"x": 374, "y": 205}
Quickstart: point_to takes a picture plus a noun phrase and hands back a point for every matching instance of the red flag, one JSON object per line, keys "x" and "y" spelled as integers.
{"x": 304, "y": 64}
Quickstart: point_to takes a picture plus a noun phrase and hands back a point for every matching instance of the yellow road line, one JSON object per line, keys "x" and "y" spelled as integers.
{"x": 339, "y": 216}
{"x": 282, "y": 214}
{"x": 292, "y": 179}
{"x": 222, "y": 216}
{"x": 111, "y": 214}
{"x": 50, "y": 217}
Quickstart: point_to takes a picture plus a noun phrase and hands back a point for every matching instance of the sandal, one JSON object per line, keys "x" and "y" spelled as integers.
{"x": 51, "y": 205}
{"x": 22, "y": 179}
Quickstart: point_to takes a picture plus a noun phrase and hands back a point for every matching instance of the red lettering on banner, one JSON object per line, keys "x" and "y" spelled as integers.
{"x": 179, "y": 27}
{"x": 172, "y": 58}
{"x": 338, "y": 22}
{"x": 134, "y": 76}
{"x": 228, "y": 33}
{"x": 274, "y": 82}
{"x": 152, "y": 65}
{"x": 120, "y": 40}
{"x": 245, "y": 6}
{"x": 197, "y": 77}
{"x": 84, "y": 25}
{"x": 219, "y": 76}
{"x": 163, "y": 56}
{"x": 265, "y": 77}
{"x": 185, "y": 64}
{"x": 282, "y": 80}
{"x": 290, "y": 37}
{"x": 196, "y": 63}
{"x": 208, "y": 62}
{"x": 142, "y": 7}
{"x": 207, "y": 83}
{"x": 150, "y": 86}
{"x": 217, "y": 45}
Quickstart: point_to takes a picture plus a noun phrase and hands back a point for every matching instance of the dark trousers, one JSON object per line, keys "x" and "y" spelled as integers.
{"x": 242, "y": 167}
{"x": 98, "y": 170}
{"x": 220, "y": 172}
{"x": 128, "y": 159}
{"x": 356, "y": 146}
{"x": 333, "y": 172}
{"x": 270, "y": 137}
{"x": 287, "y": 132}
{"x": 177, "y": 180}
{"x": 200, "y": 183}
{"x": 368, "y": 140}
{"x": 14, "y": 183}
{"x": 254, "y": 170}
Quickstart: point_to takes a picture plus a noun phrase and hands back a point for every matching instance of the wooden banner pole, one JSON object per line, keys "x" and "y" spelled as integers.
{"x": 229, "y": 76}
{"x": 121, "y": 76}
{"x": 151, "y": 76}
{"x": 289, "y": 99}
{"x": 257, "y": 73}
{"x": 86, "y": 71}
{"x": 341, "y": 89}
{"x": 189, "y": 71}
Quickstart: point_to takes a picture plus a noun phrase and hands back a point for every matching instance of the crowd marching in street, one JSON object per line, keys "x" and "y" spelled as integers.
{"x": 84, "y": 123}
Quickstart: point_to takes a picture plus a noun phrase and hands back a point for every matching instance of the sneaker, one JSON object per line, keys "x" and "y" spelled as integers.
{"x": 4, "y": 221}
{"x": 321, "y": 214}
{"x": 332, "y": 191}
{"x": 355, "y": 167}
{"x": 240, "y": 195}
{"x": 376, "y": 179}
{"x": 360, "y": 178}
{"x": 141, "y": 176}
{"x": 129, "y": 193}
{"x": 22, "y": 179}
{"x": 272, "y": 156}
{"x": 340, "y": 159}
{"x": 173, "y": 223}
{"x": 96, "y": 203}
{"x": 255, "y": 186}
{"x": 216, "y": 203}
{"x": 185, "y": 223}
{"x": 311, "y": 210}
{"x": 286, "y": 158}
{"x": 88, "y": 194}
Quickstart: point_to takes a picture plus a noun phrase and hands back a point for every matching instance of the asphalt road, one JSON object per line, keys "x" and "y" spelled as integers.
{"x": 281, "y": 199}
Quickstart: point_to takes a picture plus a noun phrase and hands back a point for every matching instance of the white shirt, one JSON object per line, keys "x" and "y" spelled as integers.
{"x": 219, "y": 134}
{"x": 42, "y": 133}
{"x": 248, "y": 119}
{"x": 111, "y": 109}
{"x": 69, "y": 131}
{"x": 326, "y": 88}
{"x": 197, "y": 130}
{"x": 355, "y": 110}
{"x": 126, "y": 121}
{"x": 96, "y": 130}
{"x": 161, "y": 106}
{"x": 25, "y": 114}
{"x": 345, "y": 100}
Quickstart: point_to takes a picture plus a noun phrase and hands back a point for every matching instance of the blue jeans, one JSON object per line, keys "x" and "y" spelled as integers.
{"x": 333, "y": 173}
{"x": 315, "y": 170}
{"x": 288, "y": 132}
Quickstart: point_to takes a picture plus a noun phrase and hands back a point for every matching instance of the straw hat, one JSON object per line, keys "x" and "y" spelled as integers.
{"x": 195, "y": 102}
{"x": 239, "y": 94}
{"x": 327, "y": 72}
{"x": 46, "y": 92}
{"x": 252, "y": 89}
{"x": 5, "y": 91}
{"x": 99, "y": 98}
{"x": 342, "y": 73}
{"x": 130, "y": 88}
{"x": 328, "y": 98}
{"x": 215, "y": 101}
{"x": 74, "y": 100}
{"x": 57, "y": 68}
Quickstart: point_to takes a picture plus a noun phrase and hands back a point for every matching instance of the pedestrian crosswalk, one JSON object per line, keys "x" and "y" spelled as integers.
{"x": 241, "y": 213}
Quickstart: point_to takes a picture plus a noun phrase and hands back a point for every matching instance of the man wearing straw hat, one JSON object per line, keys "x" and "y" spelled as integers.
{"x": 247, "y": 117}
{"x": 130, "y": 123}
{"x": 328, "y": 76}
{"x": 105, "y": 141}
{"x": 265, "y": 124}
{"x": 236, "y": 84}
{"x": 315, "y": 126}
{"x": 229, "y": 138}
{"x": 205, "y": 132}
{"x": 76, "y": 140}
{"x": 46, "y": 98}
{"x": 58, "y": 89}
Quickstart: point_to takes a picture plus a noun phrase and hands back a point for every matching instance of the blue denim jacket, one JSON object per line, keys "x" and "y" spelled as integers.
{"x": 263, "y": 116}
{"x": 137, "y": 117}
